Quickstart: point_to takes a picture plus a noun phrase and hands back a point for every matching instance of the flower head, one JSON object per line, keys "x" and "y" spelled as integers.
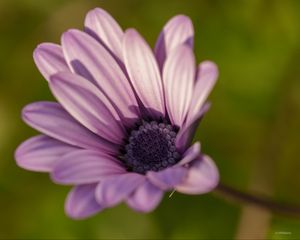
{"x": 122, "y": 127}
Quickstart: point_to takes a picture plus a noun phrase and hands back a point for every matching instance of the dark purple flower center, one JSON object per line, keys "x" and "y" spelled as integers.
{"x": 151, "y": 147}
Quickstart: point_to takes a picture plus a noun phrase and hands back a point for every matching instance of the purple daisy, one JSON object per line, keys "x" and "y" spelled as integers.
{"x": 121, "y": 130}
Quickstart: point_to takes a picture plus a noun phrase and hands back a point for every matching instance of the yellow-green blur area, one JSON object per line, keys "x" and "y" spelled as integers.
{"x": 252, "y": 130}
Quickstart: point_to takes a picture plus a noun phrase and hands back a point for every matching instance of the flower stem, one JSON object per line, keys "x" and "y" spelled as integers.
{"x": 259, "y": 200}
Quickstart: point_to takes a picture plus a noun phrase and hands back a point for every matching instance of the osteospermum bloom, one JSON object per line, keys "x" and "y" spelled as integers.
{"x": 121, "y": 130}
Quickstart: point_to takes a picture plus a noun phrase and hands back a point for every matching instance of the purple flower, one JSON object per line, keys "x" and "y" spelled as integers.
{"x": 122, "y": 127}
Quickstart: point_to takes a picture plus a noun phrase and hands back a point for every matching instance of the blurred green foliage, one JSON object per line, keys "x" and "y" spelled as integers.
{"x": 252, "y": 130}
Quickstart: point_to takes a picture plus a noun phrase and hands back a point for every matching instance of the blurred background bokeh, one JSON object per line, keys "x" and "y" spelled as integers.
{"x": 252, "y": 130}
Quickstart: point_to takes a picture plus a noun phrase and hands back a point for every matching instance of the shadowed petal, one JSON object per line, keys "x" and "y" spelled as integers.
{"x": 40, "y": 153}
{"x": 178, "y": 78}
{"x": 168, "y": 178}
{"x": 81, "y": 202}
{"x": 145, "y": 198}
{"x": 51, "y": 119}
{"x": 85, "y": 166}
{"x": 202, "y": 177}
{"x": 143, "y": 71}
{"x": 49, "y": 59}
{"x": 103, "y": 27}
{"x": 112, "y": 190}
{"x": 190, "y": 154}
{"x": 178, "y": 30}
{"x": 87, "y": 105}
{"x": 186, "y": 133}
{"x": 206, "y": 78}
{"x": 91, "y": 60}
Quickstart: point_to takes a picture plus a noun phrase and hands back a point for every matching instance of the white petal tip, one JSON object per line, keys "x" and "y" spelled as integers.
{"x": 209, "y": 67}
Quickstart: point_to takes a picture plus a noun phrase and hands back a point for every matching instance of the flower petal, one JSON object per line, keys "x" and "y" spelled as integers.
{"x": 91, "y": 60}
{"x": 103, "y": 27}
{"x": 206, "y": 78}
{"x": 178, "y": 78}
{"x": 87, "y": 105}
{"x": 203, "y": 176}
{"x": 81, "y": 202}
{"x": 51, "y": 119}
{"x": 40, "y": 153}
{"x": 49, "y": 59}
{"x": 112, "y": 190}
{"x": 187, "y": 131}
{"x": 143, "y": 72}
{"x": 168, "y": 178}
{"x": 85, "y": 166}
{"x": 145, "y": 198}
{"x": 178, "y": 30}
{"x": 190, "y": 154}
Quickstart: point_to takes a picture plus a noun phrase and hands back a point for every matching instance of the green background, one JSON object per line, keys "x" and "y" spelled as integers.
{"x": 252, "y": 130}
